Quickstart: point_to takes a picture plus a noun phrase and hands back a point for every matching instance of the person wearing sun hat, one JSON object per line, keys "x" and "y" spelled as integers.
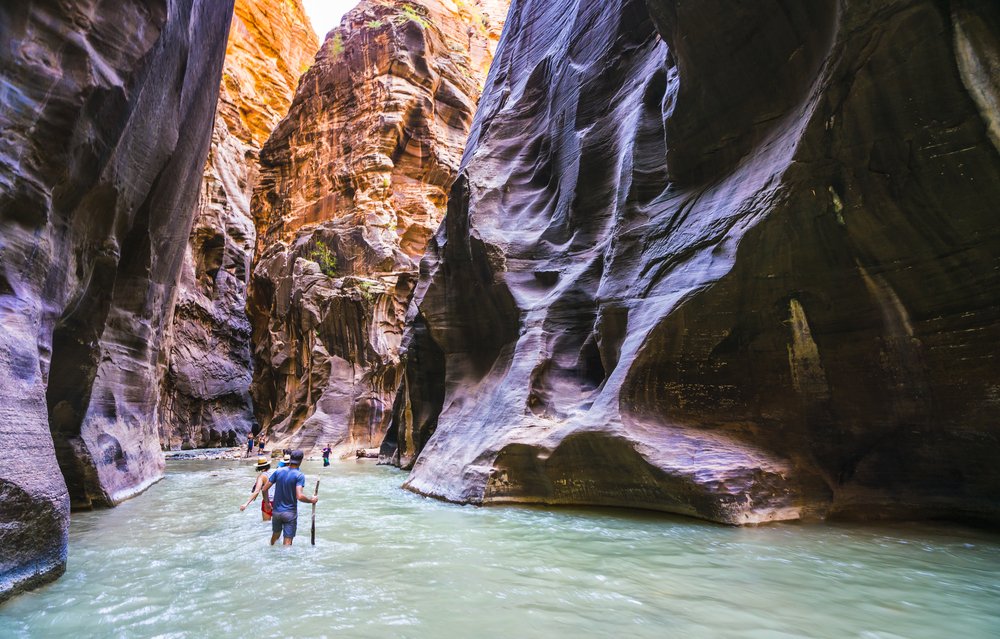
{"x": 263, "y": 465}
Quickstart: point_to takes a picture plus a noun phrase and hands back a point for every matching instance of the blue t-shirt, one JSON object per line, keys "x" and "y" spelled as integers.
{"x": 285, "y": 480}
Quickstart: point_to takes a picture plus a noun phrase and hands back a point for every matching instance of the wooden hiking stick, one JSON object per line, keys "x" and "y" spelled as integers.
{"x": 312, "y": 535}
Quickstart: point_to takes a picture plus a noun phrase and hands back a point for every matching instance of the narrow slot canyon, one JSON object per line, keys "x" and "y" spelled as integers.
{"x": 652, "y": 271}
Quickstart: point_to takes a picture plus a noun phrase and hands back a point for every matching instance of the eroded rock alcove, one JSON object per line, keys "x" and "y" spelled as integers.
{"x": 731, "y": 262}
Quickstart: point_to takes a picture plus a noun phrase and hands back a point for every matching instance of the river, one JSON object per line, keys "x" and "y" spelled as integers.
{"x": 182, "y": 561}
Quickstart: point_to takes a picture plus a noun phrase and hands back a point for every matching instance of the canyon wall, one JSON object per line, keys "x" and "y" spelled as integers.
{"x": 206, "y": 392}
{"x": 106, "y": 121}
{"x": 353, "y": 183}
{"x": 731, "y": 260}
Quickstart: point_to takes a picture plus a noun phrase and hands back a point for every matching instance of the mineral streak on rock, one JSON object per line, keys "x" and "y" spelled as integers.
{"x": 353, "y": 183}
{"x": 106, "y": 121}
{"x": 206, "y": 394}
{"x": 732, "y": 260}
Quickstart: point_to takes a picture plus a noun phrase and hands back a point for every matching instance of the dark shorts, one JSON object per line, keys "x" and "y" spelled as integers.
{"x": 284, "y": 522}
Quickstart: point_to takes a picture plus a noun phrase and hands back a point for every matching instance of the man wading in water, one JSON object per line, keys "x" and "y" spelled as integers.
{"x": 288, "y": 483}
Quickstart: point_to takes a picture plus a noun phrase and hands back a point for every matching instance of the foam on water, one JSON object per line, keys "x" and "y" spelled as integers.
{"x": 182, "y": 561}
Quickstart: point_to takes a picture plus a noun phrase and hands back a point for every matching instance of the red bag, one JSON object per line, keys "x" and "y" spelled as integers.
{"x": 265, "y": 507}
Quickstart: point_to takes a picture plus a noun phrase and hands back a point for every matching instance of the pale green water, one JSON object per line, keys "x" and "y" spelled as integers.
{"x": 182, "y": 561}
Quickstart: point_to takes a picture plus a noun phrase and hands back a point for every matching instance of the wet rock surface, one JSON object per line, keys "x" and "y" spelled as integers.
{"x": 732, "y": 262}
{"x": 353, "y": 183}
{"x": 206, "y": 394}
{"x": 106, "y": 124}
{"x": 210, "y": 454}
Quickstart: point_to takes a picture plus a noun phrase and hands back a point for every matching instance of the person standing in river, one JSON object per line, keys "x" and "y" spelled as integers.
{"x": 263, "y": 465}
{"x": 249, "y": 444}
{"x": 326, "y": 455}
{"x": 288, "y": 482}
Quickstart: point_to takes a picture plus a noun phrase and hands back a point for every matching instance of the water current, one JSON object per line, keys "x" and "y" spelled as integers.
{"x": 182, "y": 561}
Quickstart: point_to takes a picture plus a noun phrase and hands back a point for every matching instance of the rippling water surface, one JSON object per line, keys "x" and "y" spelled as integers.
{"x": 182, "y": 561}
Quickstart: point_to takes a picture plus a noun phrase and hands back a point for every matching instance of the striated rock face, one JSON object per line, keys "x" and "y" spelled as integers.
{"x": 206, "y": 395}
{"x": 353, "y": 183}
{"x": 736, "y": 262}
{"x": 106, "y": 120}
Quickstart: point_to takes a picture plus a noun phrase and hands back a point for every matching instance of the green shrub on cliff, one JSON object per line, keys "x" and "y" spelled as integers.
{"x": 325, "y": 258}
{"x": 409, "y": 13}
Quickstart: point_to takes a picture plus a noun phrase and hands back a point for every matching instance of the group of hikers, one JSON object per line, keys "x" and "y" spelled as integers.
{"x": 289, "y": 483}
{"x": 260, "y": 440}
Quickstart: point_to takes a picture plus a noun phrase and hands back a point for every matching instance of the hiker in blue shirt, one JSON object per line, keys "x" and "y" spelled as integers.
{"x": 288, "y": 484}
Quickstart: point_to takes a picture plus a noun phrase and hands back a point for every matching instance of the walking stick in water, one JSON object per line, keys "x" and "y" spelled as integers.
{"x": 312, "y": 535}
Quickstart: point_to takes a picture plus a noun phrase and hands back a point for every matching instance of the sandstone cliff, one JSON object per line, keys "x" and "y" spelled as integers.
{"x": 732, "y": 260}
{"x": 353, "y": 183}
{"x": 106, "y": 120}
{"x": 206, "y": 394}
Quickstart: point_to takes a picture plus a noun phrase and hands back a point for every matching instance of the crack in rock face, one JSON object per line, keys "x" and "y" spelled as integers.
{"x": 735, "y": 262}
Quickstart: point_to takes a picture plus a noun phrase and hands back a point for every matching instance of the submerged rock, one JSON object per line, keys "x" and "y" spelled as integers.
{"x": 353, "y": 183}
{"x": 736, "y": 262}
{"x": 106, "y": 121}
{"x": 206, "y": 394}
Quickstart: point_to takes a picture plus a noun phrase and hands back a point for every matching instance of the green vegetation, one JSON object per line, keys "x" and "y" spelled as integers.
{"x": 338, "y": 45}
{"x": 325, "y": 258}
{"x": 367, "y": 290}
{"x": 409, "y": 13}
{"x": 374, "y": 24}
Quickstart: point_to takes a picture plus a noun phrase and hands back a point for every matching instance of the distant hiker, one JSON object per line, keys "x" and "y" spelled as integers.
{"x": 249, "y": 444}
{"x": 288, "y": 484}
{"x": 263, "y": 465}
{"x": 261, "y": 440}
{"x": 326, "y": 455}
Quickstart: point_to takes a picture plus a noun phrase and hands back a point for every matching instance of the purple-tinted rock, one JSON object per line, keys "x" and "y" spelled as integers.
{"x": 107, "y": 115}
{"x": 736, "y": 261}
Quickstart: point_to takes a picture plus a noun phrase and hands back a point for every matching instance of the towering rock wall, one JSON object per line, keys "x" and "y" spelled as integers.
{"x": 732, "y": 260}
{"x": 206, "y": 394}
{"x": 353, "y": 183}
{"x": 106, "y": 120}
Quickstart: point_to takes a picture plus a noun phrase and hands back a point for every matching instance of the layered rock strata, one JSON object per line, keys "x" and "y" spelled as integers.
{"x": 353, "y": 183}
{"x": 206, "y": 394}
{"x": 735, "y": 261}
{"x": 106, "y": 121}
